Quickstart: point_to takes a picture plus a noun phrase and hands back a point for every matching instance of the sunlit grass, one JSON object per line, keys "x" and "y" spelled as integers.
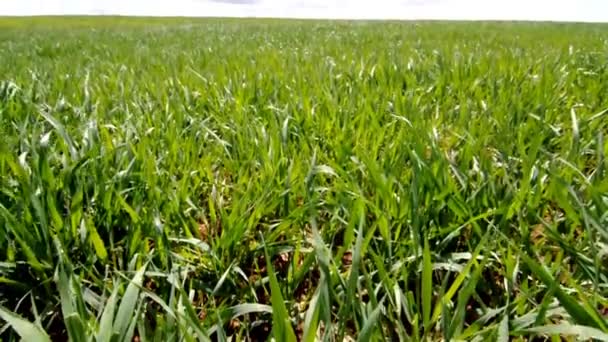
{"x": 181, "y": 179}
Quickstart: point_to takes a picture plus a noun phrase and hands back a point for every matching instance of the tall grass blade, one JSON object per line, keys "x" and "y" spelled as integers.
{"x": 28, "y": 331}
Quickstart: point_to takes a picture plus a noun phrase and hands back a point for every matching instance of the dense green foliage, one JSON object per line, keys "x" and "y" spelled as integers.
{"x": 181, "y": 179}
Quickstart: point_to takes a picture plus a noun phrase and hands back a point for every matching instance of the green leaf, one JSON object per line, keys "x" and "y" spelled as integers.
{"x": 248, "y": 308}
{"x": 125, "y": 312}
{"x": 71, "y": 316}
{"x": 132, "y": 213}
{"x": 96, "y": 241}
{"x": 63, "y": 133}
{"x": 427, "y": 285}
{"x": 581, "y": 332}
{"x": 26, "y": 330}
{"x": 370, "y": 325}
{"x": 281, "y": 325}
{"x": 462, "y": 275}
{"x": 107, "y": 318}
{"x": 503, "y": 329}
{"x": 576, "y": 310}
{"x": 311, "y": 320}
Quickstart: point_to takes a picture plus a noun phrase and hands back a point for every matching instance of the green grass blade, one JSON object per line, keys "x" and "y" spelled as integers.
{"x": 128, "y": 304}
{"x": 69, "y": 307}
{"x": 281, "y": 325}
{"x": 311, "y": 320}
{"x": 503, "y": 329}
{"x": 427, "y": 285}
{"x": 370, "y": 325}
{"x": 579, "y": 313}
{"x": 26, "y": 330}
{"x": 106, "y": 320}
{"x": 580, "y": 332}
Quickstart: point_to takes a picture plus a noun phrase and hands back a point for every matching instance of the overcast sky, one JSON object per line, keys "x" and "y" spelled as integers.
{"x": 557, "y": 10}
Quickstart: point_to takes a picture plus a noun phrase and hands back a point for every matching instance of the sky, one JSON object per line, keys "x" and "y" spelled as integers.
{"x": 552, "y": 10}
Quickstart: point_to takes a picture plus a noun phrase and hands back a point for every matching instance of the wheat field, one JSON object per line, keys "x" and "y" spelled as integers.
{"x": 211, "y": 179}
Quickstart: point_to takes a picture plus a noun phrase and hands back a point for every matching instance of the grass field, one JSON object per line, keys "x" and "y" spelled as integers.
{"x": 206, "y": 179}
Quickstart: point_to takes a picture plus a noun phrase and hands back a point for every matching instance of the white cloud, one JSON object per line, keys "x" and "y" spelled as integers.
{"x": 559, "y": 10}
